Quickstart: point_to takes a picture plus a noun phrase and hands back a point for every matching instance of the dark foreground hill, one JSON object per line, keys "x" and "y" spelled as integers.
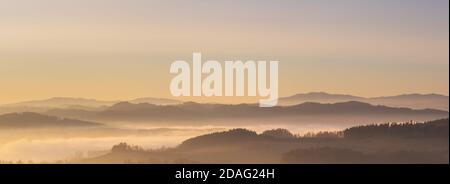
{"x": 390, "y": 143}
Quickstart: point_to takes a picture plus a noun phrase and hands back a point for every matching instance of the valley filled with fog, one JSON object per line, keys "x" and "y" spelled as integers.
{"x": 64, "y": 130}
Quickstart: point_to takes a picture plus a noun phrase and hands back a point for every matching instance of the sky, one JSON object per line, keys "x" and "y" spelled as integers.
{"x": 115, "y": 49}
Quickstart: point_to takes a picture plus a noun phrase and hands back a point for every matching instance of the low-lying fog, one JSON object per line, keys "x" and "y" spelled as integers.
{"x": 60, "y": 145}
{"x": 73, "y": 144}
{"x": 65, "y": 144}
{"x": 48, "y": 150}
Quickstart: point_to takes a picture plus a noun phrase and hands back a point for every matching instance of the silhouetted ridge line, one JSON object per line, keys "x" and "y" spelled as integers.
{"x": 35, "y": 120}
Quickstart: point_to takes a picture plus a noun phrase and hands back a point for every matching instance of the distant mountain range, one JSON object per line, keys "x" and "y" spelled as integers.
{"x": 243, "y": 110}
{"x": 190, "y": 111}
{"x": 414, "y": 101}
{"x": 311, "y": 107}
{"x": 156, "y": 101}
{"x": 66, "y": 102}
{"x": 75, "y": 103}
{"x": 63, "y": 102}
{"x": 34, "y": 120}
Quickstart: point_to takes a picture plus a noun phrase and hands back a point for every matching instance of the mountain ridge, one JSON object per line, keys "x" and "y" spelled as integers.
{"x": 410, "y": 100}
{"x": 125, "y": 111}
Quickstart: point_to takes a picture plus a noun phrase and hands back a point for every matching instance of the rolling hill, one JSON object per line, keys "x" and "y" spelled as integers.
{"x": 28, "y": 120}
{"x": 343, "y": 112}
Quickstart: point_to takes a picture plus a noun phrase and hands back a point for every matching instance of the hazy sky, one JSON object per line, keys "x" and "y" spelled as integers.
{"x": 116, "y": 49}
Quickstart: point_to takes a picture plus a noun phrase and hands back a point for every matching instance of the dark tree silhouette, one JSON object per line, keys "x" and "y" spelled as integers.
{"x": 278, "y": 133}
{"x": 124, "y": 147}
{"x": 437, "y": 128}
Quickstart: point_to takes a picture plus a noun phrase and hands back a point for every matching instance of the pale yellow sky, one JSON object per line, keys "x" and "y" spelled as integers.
{"x": 121, "y": 50}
